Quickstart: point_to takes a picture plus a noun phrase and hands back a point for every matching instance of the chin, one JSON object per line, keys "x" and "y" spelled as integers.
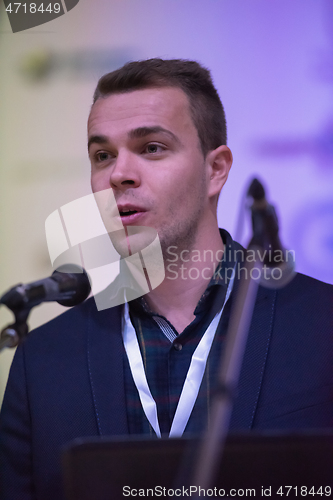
{"x": 140, "y": 249}
{"x": 132, "y": 239}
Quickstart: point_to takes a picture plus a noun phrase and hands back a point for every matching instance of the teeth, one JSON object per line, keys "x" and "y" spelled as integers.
{"x": 128, "y": 211}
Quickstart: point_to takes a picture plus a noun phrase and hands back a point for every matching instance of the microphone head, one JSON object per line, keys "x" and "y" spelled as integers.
{"x": 256, "y": 190}
{"x": 74, "y": 284}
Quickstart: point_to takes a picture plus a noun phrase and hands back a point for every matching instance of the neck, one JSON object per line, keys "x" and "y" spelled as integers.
{"x": 187, "y": 274}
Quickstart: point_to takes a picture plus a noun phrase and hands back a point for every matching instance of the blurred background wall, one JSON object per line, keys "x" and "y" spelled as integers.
{"x": 272, "y": 63}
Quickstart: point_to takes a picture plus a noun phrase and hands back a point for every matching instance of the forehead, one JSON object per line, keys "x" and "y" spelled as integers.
{"x": 167, "y": 107}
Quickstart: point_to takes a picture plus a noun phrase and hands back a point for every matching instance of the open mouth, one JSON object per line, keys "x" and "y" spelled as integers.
{"x": 124, "y": 213}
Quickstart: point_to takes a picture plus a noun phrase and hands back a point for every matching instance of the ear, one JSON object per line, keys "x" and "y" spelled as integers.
{"x": 219, "y": 162}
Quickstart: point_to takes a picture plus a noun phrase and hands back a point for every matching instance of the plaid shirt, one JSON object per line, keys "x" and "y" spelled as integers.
{"x": 167, "y": 355}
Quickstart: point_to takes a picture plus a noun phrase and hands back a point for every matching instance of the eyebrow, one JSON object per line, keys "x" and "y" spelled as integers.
{"x": 140, "y": 132}
{"x": 136, "y": 133}
{"x": 97, "y": 139}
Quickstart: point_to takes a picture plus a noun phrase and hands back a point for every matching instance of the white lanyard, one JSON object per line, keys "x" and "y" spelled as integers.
{"x": 193, "y": 378}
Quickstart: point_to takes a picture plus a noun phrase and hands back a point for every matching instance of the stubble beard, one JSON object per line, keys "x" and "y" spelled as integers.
{"x": 182, "y": 234}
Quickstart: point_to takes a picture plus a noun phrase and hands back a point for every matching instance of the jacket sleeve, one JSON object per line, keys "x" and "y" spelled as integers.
{"x": 15, "y": 436}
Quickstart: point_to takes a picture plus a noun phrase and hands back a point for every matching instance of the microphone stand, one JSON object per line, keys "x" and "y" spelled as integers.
{"x": 212, "y": 445}
{"x": 69, "y": 285}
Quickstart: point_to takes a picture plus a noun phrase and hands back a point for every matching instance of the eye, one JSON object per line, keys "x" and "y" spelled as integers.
{"x": 154, "y": 148}
{"x": 102, "y": 156}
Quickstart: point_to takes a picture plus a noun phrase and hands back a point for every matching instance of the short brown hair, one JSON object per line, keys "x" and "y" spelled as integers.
{"x": 192, "y": 78}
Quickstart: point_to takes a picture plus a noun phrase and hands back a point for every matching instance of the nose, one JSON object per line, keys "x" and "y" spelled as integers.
{"x": 125, "y": 172}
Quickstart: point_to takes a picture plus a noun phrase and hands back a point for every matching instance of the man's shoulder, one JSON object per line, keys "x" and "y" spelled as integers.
{"x": 308, "y": 287}
{"x": 305, "y": 304}
{"x": 303, "y": 283}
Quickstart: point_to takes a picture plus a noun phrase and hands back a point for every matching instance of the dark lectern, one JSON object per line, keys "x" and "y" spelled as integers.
{"x": 266, "y": 465}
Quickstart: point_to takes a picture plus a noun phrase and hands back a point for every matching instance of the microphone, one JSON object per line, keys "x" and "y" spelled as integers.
{"x": 278, "y": 269}
{"x": 69, "y": 285}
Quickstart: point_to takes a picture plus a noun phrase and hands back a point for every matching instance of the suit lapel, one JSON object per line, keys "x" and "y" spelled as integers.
{"x": 254, "y": 361}
{"x": 105, "y": 362}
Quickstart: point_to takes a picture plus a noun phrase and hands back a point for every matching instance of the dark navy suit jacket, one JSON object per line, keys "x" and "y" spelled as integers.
{"x": 67, "y": 381}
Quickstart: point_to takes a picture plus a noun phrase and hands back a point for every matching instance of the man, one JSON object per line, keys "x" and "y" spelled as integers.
{"x": 157, "y": 138}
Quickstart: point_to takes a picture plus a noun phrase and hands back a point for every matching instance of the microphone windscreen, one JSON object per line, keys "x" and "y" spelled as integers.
{"x": 74, "y": 281}
{"x": 256, "y": 190}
